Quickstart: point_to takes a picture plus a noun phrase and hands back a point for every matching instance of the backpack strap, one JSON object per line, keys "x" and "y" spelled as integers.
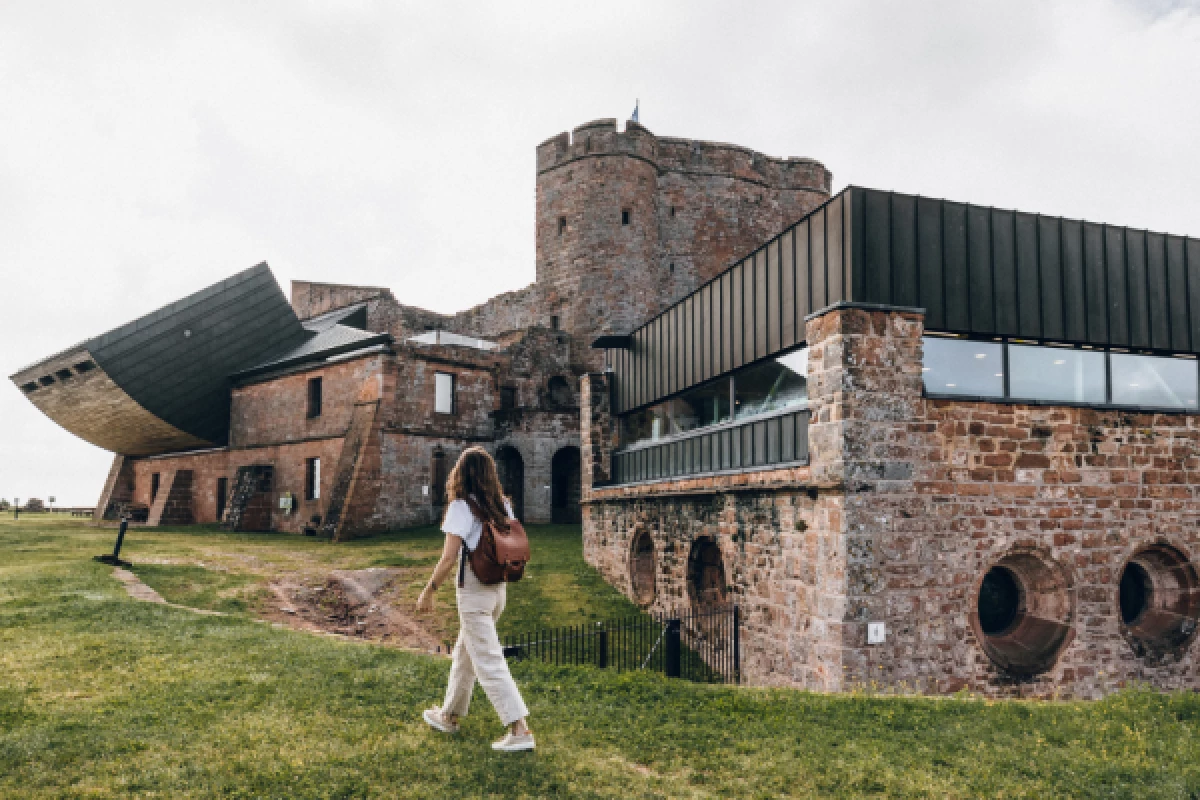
{"x": 462, "y": 564}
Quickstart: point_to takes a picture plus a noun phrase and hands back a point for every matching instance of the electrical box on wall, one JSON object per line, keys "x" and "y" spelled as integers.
{"x": 876, "y": 633}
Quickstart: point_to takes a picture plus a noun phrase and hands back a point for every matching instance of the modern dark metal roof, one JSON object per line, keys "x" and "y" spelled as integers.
{"x": 975, "y": 270}
{"x": 176, "y": 362}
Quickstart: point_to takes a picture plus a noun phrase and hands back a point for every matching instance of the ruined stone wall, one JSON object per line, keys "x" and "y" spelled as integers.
{"x": 311, "y": 299}
{"x": 209, "y": 465}
{"x": 906, "y": 505}
{"x": 408, "y": 496}
{"x": 275, "y": 410}
{"x": 537, "y": 434}
{"x": 510, "y": 311}
{"x": 411, "y": 408}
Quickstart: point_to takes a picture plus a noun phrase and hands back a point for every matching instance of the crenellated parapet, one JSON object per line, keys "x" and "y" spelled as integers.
{"x": 672, "y": 154}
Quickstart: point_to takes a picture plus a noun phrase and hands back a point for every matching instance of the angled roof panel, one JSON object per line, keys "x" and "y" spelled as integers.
{"x": 166, "y": 375}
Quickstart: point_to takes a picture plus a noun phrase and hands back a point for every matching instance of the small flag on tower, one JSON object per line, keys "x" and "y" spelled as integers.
{"x": 636, "y": 103}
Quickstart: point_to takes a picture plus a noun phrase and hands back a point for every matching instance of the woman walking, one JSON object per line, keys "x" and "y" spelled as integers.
{"x": 474, "y": 484}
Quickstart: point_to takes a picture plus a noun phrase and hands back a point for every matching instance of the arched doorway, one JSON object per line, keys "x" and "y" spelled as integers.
{"x": 511, "y": 468}
{"x": 565, "y": 486}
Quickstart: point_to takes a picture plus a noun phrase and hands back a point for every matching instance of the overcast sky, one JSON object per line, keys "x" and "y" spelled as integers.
{"x": 150, "y": 149}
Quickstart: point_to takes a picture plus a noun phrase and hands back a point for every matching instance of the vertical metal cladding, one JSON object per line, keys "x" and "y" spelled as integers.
{"x": 975, "y": 270}
{"x": 754, "y": 309}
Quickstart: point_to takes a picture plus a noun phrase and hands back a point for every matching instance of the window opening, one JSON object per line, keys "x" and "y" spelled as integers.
{"x": 63, "y": 374}
{"x": 562, "y": 225}
{"x": 222, "y": 497}
{"x": 443, "y": 400}
{"x": 772, "y": 386}
{"x": 508, "y": 397}
{"x": 559, "y": 391}
{"x": 314, "y": 397}
{"x": 1044, "y": 373}
{"x": 554, "y": 322}
{"x": 625, "y": 216}
{"x": 154, "y": 478}
{"x": 312, "y": 479}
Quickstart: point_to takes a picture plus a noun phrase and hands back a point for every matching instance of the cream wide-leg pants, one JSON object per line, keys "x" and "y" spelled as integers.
{"x": 477, "y": 653}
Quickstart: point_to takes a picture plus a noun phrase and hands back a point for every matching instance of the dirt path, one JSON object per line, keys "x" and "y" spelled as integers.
{"x": 140, "y": 591}
{"x": 368, "y": 604}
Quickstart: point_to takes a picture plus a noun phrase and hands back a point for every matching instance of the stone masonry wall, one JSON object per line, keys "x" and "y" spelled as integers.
{"x": 275, "y": 411}
{"x": 907, "y": 503}
{"x": 693, "y": 207}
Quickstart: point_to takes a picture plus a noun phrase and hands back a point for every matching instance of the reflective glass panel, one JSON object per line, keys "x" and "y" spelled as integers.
{"x": 648, "y": 425}
{"x": 1055, "y": 374}
{"x": 706, "y": 405}
{"x": 958, "y": 366}
{"x": 1153, "y": 382}
{"x": 773, "y": 385}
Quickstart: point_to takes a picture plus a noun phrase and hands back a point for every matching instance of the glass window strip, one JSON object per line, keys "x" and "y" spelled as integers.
{"x": 1055, "y": 374}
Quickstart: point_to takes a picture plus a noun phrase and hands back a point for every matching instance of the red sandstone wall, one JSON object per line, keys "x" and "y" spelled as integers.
{"x": 906, "y": 505}
{"x": 475, "y": 393}
{"x": 208, "y": 466}
{"x": 276, "y": 411}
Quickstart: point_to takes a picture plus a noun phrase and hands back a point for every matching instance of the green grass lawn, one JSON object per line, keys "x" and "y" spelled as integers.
{"x": 102, "y": 695}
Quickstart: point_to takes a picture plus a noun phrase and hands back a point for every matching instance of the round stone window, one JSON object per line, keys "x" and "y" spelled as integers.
{"x": 641, "y": 568}
{"x": 1023, "y": 613}
{"x": 1159, "y": 601}
{"x": 706, "y": 575}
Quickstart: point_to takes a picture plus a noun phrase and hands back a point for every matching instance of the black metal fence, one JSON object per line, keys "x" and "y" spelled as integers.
{"x": 703, "y": 646}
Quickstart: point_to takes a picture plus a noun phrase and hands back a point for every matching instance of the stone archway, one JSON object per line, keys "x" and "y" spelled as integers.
{"x": 706, "y": 576}
{"x": 511, "y": 468}
{"x": 565, "y": 487}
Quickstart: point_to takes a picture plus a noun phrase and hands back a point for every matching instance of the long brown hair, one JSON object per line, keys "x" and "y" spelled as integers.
{"x": 475, "y": 476}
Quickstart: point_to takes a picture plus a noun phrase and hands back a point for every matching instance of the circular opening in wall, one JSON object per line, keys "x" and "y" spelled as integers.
{"x": 641, "y": 568}
{"x": 1023, "y": 613}
{"x": 1159, "y": 596}
{"x": 706, "y": 575}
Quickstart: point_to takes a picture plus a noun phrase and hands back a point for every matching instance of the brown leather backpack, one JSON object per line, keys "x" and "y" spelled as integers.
{"x": 502, "y": 552}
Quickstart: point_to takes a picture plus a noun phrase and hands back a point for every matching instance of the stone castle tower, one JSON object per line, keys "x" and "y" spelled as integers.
{"x": 629, "y": 222}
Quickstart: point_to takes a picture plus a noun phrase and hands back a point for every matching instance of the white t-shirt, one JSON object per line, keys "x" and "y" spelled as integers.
{"x": 461, "y": 522}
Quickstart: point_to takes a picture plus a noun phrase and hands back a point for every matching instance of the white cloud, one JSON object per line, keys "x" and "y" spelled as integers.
{"x": 150, "y": 149}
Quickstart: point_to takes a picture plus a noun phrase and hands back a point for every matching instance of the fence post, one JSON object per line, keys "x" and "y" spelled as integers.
{"x": 737, "y": 645}
{"x": 602, "y": 649}
{"x": 671, "y": 651}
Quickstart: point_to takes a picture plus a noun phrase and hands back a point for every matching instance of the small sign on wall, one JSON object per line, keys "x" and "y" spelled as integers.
{"x": 425, "y": 491}
{"x": 285, "y": 502}
{"x": 876, "y": 633}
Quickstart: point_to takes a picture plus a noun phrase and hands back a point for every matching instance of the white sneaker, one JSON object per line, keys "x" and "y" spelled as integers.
{"x": 437, "y": 720}
{"x": 512, "y": 743}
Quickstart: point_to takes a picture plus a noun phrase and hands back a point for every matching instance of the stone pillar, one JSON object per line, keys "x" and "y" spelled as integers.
{"x": 865, "y": 391}
{"x": 597, "y": 430}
